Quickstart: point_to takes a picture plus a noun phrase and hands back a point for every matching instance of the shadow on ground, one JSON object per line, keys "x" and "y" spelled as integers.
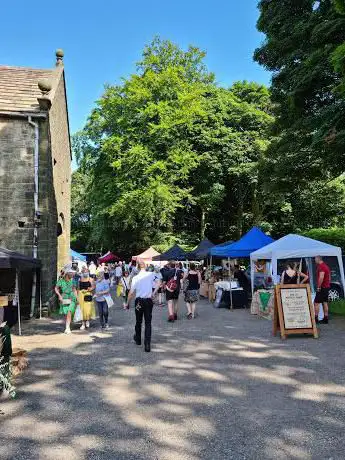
{"x": 218, "y": 387}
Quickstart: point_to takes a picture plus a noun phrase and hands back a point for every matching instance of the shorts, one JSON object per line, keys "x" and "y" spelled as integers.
{"x": 322, "y": 296}
{"x": 171, "y": 295}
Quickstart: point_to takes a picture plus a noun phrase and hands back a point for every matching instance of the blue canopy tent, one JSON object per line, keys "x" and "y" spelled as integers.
{"x": 76, "y": 256}
{"x": 252, "y": 241}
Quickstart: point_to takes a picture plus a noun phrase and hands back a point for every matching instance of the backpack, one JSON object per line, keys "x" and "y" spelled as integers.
{"x": 172, "y": 283}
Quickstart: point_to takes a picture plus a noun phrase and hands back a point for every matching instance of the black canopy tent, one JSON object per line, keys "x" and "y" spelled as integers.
{"x": 17, "y": 263}
{"x": 174, "y": 253}
{"x": 12, "y": 259}
{"x": 201, "y": 252}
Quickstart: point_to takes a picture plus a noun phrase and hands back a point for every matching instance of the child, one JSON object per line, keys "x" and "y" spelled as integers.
{"x": 125, "y": 281}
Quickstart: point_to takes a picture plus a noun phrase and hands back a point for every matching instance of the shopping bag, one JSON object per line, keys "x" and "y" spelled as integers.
{"x": 118, "y": 290}
{"x": 109, "y": 300}
{"x": 78, "y": 315}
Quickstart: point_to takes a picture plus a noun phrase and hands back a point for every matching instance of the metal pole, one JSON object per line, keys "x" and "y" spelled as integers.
{"x": 231, "y": 303}
{"x": 18, "y": 304}
{"x": 40, "y": 297}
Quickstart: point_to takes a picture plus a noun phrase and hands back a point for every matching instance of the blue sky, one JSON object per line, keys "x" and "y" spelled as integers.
{"x": 102, "y": 39}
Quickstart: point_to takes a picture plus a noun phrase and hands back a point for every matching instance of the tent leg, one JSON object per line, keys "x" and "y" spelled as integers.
{"x": 18, "y": 304}
{"x": 33, "y": 293}
{"x": 40, "y": 298}
{"x": 231, "y": 303}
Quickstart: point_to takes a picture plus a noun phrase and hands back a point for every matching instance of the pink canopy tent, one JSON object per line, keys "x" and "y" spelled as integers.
{"x": 108, "y": 257}
{"x": 147, "y": 256}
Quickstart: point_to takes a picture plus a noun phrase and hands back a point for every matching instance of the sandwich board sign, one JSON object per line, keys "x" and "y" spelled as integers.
{"x": 293, "y": 310}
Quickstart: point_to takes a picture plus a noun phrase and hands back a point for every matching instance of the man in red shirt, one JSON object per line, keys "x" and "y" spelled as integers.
{"x": 323, "y": 283}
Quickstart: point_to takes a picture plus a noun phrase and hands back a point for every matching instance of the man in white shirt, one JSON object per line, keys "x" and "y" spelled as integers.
{"x": 141, "y": 289}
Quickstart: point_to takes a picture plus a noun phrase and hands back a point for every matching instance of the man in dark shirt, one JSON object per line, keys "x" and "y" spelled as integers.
{"x": 170, "y": 273}
{"x": 323, "y": 283}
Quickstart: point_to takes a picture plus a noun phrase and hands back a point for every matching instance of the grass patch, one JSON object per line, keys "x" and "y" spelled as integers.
{"x": 337, "y": 307}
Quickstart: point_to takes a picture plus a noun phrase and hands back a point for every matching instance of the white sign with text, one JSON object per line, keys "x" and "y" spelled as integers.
{"x": 296, "y": 308}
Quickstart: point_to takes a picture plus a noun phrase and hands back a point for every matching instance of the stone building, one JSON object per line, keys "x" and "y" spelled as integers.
{"x": 35, "y": 167}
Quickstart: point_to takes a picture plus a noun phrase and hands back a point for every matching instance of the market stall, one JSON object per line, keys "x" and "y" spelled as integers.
{"x": 16, "y": 271}
{"x": 173, "y": 253}
{"x": 148, "y": 255}
{"x": 108, "y": 257}
{"x": 201, "y": 252}
{"x": 295, "y": 247}
{"x": 251, "y": 241}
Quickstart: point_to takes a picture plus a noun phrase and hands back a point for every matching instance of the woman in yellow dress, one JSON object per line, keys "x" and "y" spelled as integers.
{"x": 86, "y": 286}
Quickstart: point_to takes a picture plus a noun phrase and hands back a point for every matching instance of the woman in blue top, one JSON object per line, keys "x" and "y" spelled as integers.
{"x": 102, "y": 289}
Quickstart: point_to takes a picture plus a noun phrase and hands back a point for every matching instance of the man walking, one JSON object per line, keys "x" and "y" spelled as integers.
{"x": 141, "y": 289}
{"x": 323, "y": 283}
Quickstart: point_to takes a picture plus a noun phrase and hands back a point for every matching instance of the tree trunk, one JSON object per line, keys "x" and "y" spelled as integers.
{"x": 256, "y": 208}
{"x": 239, "y": 226}
{"x": 203, "y": 224}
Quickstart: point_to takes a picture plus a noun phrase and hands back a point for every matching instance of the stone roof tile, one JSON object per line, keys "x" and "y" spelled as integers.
{"x": 19, "y": 90}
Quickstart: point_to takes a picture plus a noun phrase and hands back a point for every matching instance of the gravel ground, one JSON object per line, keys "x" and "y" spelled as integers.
{"x": 217, "y": 387}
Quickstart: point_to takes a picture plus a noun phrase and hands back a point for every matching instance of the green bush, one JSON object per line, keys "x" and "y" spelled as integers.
{"x": 337, "y": 307}
{"x": 334, "y": 236}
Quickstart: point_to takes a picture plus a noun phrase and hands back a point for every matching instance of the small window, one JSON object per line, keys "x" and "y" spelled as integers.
{"x": 21, "y": 223}
{"x": 55, "y": 162}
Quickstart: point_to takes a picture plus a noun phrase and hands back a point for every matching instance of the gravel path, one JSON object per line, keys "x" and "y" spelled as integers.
{"x": 219, "y": 387}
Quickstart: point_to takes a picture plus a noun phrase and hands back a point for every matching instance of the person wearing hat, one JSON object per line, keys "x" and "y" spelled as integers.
{"x": 67, "y": 295}
{"x": 85, "y": 297}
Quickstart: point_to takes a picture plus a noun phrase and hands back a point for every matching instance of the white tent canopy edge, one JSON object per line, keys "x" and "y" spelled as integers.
{"x": 292, "y": 247}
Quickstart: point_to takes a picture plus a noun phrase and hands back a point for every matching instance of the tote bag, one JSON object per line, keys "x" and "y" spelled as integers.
{"x": 109, "y": 300}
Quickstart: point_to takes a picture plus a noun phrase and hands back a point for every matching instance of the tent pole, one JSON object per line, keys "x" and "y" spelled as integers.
{"x": 33, "y": 294}
{"x": 231, "y": 304}
{"x": 18, "y": 304}
{"x": 40, "y": 297}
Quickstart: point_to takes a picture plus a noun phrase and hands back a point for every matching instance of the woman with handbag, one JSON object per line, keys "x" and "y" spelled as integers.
{"x": 192, "y": 282}
{"x": 86, "y": 286}
{"x": 66, "y": 292}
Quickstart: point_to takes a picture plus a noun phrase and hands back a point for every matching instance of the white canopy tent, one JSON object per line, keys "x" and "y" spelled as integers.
{"x": 293, "y": 247}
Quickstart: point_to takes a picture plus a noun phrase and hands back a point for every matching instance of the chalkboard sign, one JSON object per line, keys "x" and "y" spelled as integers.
{"x": 293, "y": 310}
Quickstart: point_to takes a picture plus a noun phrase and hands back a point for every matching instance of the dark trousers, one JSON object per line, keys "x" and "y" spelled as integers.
{"x": 143, "y": 308}
{"x": 103, "y": 312}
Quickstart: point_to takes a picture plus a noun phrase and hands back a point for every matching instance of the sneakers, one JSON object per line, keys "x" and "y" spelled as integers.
{"x": 325, "y": 320}
{"x": 106, "y": 326}
{"x": 87, "y": 324}
{"x": 171, "y": 319}
{"x": 68, "y": 331}
{"x": 82, "y": 327}
{"x": 190, "y": 316}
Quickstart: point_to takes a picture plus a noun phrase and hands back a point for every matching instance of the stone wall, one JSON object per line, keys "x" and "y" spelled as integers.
{"x": 61, "y": 160}
{"x": 17, "y": 196}
{"x": 16, "y": 184}
{"x": 47, "y": 235}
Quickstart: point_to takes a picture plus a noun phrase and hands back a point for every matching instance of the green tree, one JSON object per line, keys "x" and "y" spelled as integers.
{"x": 168, "y": 147}
{"x": 310, "y": 135}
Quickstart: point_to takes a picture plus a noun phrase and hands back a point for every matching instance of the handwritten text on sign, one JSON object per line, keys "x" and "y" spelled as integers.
{"x": 295, "y": 308}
